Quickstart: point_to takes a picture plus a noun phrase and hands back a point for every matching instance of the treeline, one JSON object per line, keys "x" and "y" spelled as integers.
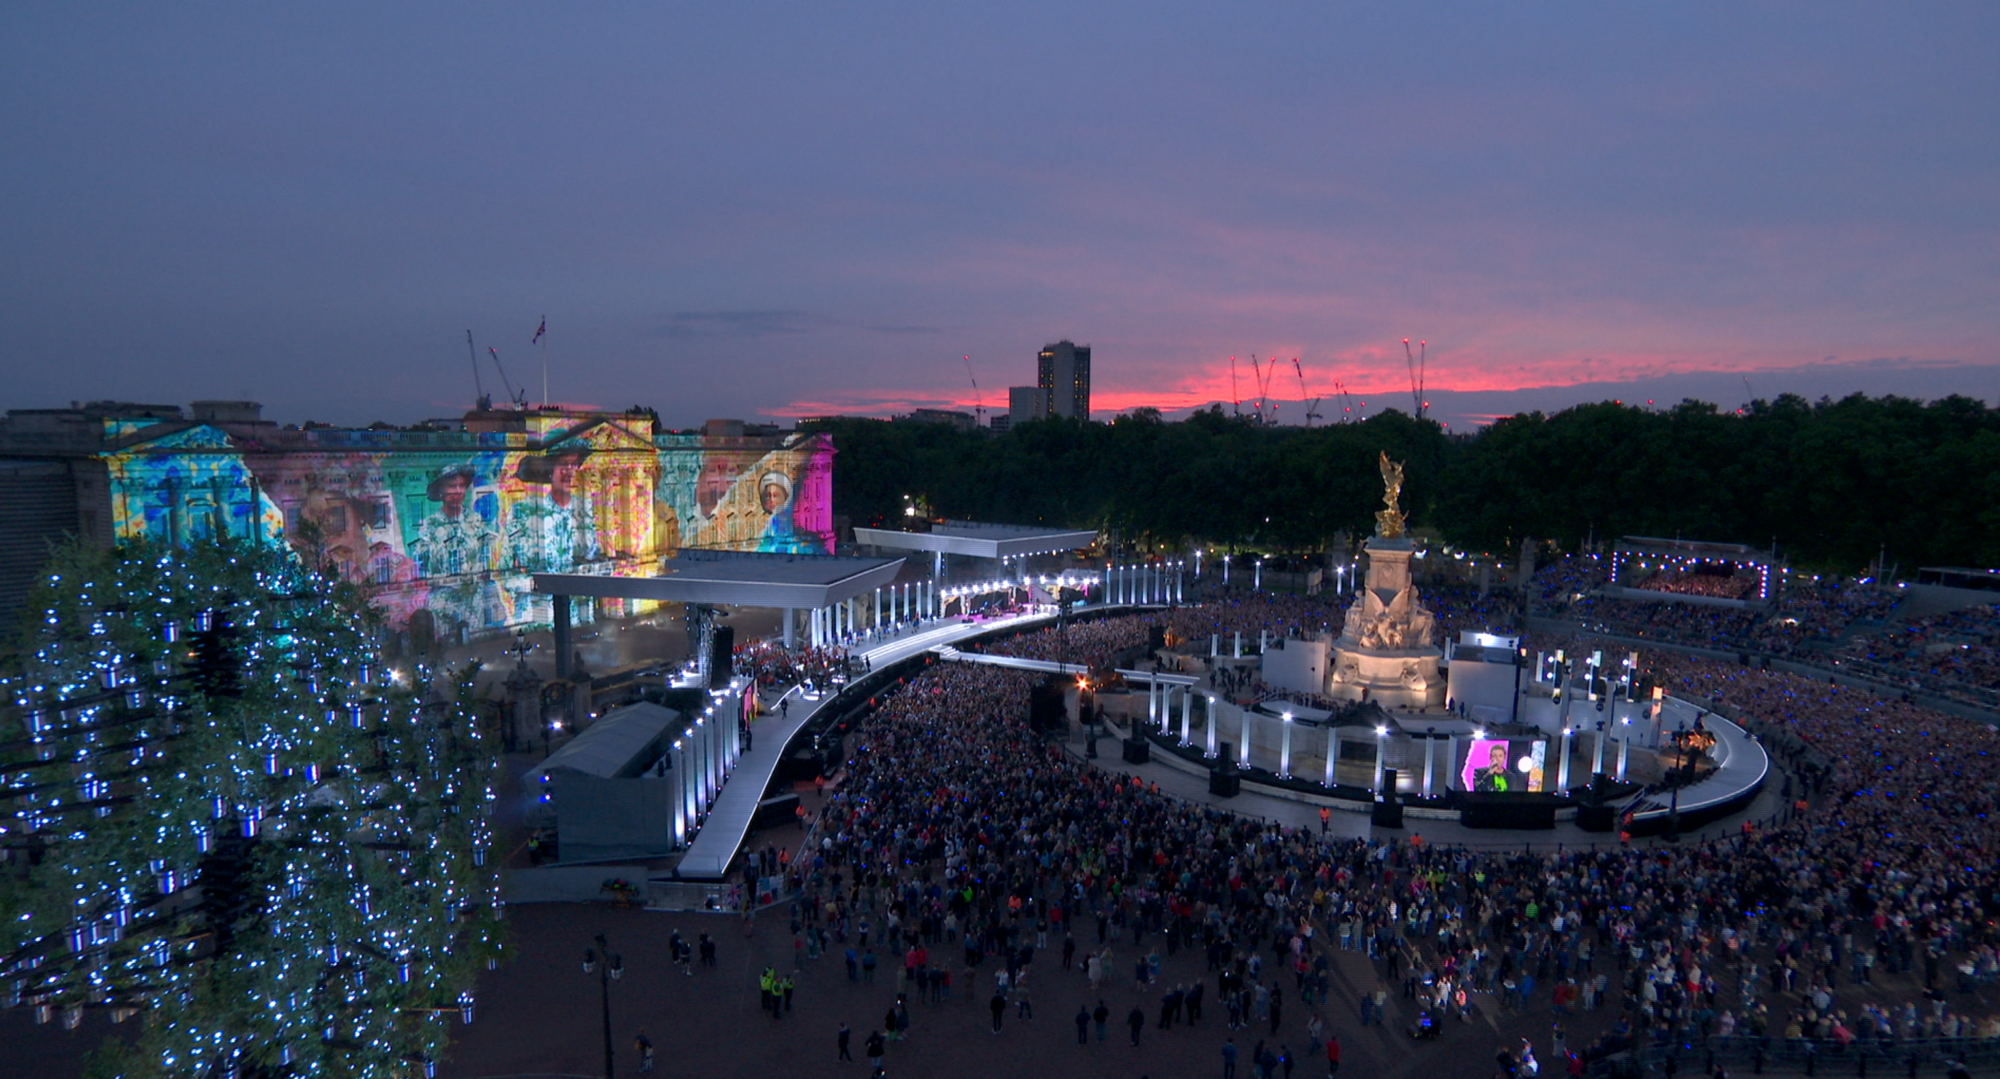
{"x": 1834, "y": 484}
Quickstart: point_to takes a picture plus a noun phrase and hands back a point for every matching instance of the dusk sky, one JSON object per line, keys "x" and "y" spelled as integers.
{"x": 765, "y": 210}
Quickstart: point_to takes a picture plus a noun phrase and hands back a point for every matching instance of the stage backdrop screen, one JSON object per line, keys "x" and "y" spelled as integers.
{"x": 1504, "y": 765}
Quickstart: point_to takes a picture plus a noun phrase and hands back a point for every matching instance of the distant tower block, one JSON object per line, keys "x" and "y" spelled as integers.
{"x": 1062, "y": 373}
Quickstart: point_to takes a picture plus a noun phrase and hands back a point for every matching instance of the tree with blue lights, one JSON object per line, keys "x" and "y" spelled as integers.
{"x": 227, "y": 818}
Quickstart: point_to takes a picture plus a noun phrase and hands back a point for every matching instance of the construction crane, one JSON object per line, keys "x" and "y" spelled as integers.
{"x": 1346, "y": 401}
{"x": 1311, "y": 406}
{"x": 1235, "y": 399}
{"x": 520, "y": 396}
{"x": 1416, "y": 365}
{"x": 1265, "y": 414}
{"x": 978, "y": 401}
{"x": 478, "y": 384}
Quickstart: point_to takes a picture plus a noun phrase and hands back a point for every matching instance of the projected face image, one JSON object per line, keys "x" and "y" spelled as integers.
{"x": 562, "y": 478}
{"x": 451, "y": 495}
{"x": 774, "y": 498}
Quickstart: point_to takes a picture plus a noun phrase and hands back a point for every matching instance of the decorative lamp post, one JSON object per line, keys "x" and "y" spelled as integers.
{"x": 609, "y": 970}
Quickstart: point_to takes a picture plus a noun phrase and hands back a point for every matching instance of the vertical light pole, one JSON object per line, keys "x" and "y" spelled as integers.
{"x": 1332, "y": 751}
{"x": 1381, "y": 750}
{"x": 1562, "y": 766}
{"x": 1430, "y": 757}
{"x": 611, "y": 969}
{"x": 1285, "y": 751}
{"x": 1210, "y": 698}
{"x": 1086, "y": 710}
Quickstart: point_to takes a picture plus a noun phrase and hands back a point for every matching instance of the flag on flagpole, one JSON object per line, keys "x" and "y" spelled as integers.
{"x": 540, "y": 330}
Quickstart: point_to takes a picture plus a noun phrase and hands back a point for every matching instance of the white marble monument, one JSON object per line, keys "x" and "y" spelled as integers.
{"x": 1387, "y": 652}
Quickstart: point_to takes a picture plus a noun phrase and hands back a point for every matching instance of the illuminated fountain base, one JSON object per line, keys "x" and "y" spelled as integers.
{"x": 1405, "y": 678}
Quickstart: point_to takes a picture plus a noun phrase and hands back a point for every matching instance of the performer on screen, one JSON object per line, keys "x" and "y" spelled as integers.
{"x": 1494, "y": 776}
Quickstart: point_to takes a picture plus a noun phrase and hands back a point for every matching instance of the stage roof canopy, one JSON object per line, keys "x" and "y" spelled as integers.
{"x": 1691, "y": 549}
{"x": 610, "y": 747}
{"x": 737, "y": 579}
{"x": 975, "y": 540}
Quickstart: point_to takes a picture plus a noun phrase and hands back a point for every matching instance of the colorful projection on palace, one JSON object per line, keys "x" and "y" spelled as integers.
{"x": 448, "y": 526}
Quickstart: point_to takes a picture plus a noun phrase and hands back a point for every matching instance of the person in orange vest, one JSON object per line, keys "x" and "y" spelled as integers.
{"x": 1325, "y": 819}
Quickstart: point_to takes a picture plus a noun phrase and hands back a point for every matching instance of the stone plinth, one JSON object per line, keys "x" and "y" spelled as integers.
{"x": 1386, "y": 653}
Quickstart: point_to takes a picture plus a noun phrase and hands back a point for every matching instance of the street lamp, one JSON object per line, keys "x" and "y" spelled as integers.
{"x": 609, "y": 971}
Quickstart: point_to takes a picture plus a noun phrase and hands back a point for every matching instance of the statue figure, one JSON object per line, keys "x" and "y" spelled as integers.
{"x": 1360, "y": 615}
{"x": 1389, "y": 521}
{"x": 1403, "y": 622}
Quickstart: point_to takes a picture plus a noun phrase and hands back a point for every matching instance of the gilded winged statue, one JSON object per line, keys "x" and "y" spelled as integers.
{"x": 1389, "y": 522}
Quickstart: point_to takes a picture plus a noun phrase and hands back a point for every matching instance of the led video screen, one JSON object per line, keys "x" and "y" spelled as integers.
{"x": 1504, "y": 766}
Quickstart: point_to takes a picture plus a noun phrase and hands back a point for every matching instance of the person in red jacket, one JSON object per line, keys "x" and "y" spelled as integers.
{"x": 1332, "y": 1055}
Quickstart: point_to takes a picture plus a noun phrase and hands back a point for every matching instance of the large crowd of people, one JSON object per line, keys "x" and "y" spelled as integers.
{"x": 1854, "y": 921}
{"x": 1711, "y": 585}
{"x": 1826, "y": 621}
{"x": 1955, "y": 654}
{"x": 775, "y": 666}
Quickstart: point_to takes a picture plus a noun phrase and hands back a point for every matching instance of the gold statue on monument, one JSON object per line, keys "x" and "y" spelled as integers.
{"x": 1389, "y": 522}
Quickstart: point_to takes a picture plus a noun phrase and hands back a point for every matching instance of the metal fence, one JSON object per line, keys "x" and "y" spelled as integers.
{"x": 1745, "y": 1054}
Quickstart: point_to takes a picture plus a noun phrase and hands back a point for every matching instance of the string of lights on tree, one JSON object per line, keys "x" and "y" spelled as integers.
{"x": 236, "y": 824}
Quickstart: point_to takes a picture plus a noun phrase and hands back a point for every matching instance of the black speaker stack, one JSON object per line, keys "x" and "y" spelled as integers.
{"x": 1388, "y": 809}
{"x": 1594, "y": 811}
{"x": 721, "y": 657}
{"x": 1224, "y": 781}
